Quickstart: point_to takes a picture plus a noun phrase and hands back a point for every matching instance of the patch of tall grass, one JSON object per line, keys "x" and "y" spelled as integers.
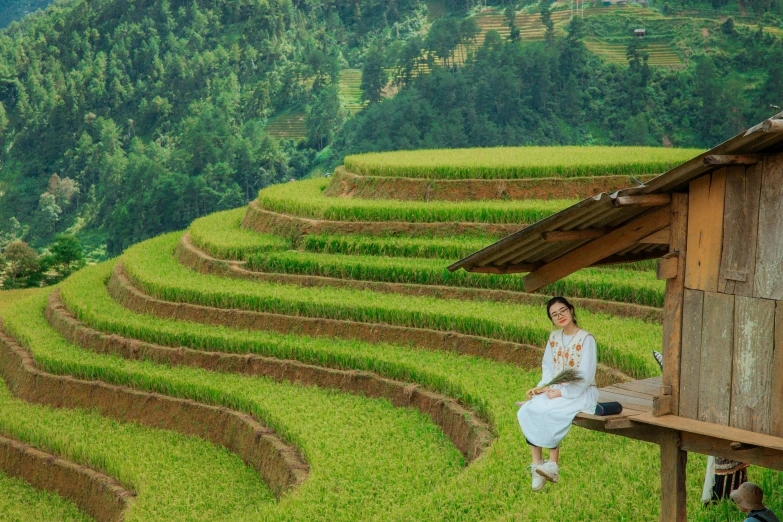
{"x": 306, "y": 199}
{"x": 624, "y": 343}
{"x": 20, "y": 501}
{"x": 440, "y": 248}
{"x": 365, "y": 455}
{"x": 519, "y": 162}
{"x": 220, "y": 235}
{"x": 630, "y": 286}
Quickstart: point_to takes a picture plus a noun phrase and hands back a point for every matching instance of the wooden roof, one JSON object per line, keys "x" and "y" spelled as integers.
{"x": 628, "y": 225}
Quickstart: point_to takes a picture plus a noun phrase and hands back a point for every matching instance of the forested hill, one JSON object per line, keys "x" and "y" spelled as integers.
{"x": 130, "y": 118}
{"x": 123, "y": 119}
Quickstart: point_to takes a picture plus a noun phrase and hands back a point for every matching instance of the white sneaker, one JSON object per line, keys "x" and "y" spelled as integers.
{"x": 549, "y": 470}
{"x": 538, "y": 480}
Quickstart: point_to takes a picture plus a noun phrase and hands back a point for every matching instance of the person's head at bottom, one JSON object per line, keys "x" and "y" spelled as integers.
{"x": 748, "y": 497}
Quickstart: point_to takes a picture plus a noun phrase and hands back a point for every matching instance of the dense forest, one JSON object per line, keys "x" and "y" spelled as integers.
{"x": 552, "y": 92}
{"x": 122, "y": 119}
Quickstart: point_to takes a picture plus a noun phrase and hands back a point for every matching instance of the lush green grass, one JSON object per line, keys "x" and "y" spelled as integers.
{"x": 306, "y": 199}
{"x": 632, "y": 286}
{"x": 366, "y": 456}
{"x": 496, "y": 486}
{"x": 624, "y": 343}
{"x": 221, "y": 235}
{"x": 20, "y": 501}
{"x": 519, "y": 162}
{"x": 176, "y": 477}
{"x": 441, "y": 248}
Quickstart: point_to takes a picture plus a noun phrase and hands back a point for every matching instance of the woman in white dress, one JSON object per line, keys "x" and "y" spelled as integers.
{"x": 546, "y": 418}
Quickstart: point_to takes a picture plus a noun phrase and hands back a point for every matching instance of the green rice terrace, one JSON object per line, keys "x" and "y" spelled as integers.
{"x": 309, "y": 357}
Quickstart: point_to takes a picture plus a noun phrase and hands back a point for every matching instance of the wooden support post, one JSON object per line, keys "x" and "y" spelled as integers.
{"x": 673, "y": 461}
{"x": 673, "y": 300}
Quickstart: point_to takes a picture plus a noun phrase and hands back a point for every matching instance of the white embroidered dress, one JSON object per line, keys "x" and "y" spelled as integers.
{"x": 546, "y": 421}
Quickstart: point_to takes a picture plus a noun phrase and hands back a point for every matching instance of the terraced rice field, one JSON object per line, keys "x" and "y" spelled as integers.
{"x": 351, "y": 90}
{"x": 531, "y": 29}
{"x": 298, "y": 359}
{"x": 288, "y": 126}
{"x": 660, "y": 53}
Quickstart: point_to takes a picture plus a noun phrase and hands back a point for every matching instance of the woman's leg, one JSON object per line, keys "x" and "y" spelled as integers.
{"x": 554, "y": 455}
{"x": 535, "y": 452}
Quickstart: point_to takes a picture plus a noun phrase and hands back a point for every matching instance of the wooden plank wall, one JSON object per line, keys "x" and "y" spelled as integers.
{"x": 731, "y": 366}
{"x": 769, "y": 253}
{"x": 717, "y": 337}
{"x": 705, "y": 231}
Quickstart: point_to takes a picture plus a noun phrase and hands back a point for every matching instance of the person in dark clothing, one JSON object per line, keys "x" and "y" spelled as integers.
{"x": 749, "y": 500}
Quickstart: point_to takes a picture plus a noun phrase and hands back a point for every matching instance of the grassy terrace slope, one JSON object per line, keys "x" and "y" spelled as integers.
{"x": 519, "y": 162}
{"x": 394, "y": 379}
{"x": 306, "y": 199}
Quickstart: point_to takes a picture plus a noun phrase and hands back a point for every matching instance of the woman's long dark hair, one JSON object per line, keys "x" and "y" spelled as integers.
{"x": 560, "y": 299}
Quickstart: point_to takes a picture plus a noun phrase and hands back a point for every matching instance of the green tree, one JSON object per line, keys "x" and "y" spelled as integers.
{"x": 66, "y": 254}
{"x": 374, "y": 75}
{"x": 545, "y": 10}
{"x": 324, "y": 116}
{"x": 22, "y": 266}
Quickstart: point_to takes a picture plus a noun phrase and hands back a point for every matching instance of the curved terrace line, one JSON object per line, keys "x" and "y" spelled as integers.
{"x": 122, "y": 290}
{"x": 279, "y": 464}
{"x": 261, "y": 220}
{"x": 347, "y": 184}
{"x": 97, "y": 494}
{"x": 198, "y": 260}
{"x": 469, "y": 434}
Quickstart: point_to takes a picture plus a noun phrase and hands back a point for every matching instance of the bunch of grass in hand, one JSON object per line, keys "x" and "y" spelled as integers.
{"x": 567, "y": 376}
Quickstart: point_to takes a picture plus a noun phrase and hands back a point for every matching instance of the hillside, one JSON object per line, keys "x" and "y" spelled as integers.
{"x": 153, "y": 113}
{"x": 310, "y": 358}
{"x": 159, "y": 113}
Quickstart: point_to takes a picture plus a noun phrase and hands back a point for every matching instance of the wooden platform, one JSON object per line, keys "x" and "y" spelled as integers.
{"x": 636, "y": 398}
{"x": 637, "y": 421}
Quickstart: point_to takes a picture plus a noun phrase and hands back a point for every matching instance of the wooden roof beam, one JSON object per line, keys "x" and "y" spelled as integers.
{"x": 662, "y": 237}
{"x": 732, "y": 159}
{"x": 574, "y": 235}
{"x": 649, "y": 200}
{"x": 598, "y": 249}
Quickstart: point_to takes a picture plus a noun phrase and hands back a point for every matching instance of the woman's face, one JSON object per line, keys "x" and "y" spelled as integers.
{"x": 561, "y": 315}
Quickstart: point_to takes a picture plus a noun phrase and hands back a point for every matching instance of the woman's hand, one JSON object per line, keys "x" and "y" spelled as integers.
{"x": 553, "y": 393}
{"x": 529, "y": 394}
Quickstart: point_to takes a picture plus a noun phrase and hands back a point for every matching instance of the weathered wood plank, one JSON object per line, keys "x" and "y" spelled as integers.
{"x": 662, "y": 237}
{"x": 642, "y": 387}
{"x": 717, "y": 340}
{"x": 740, "y": 227}
{"x": 673, "y": 464}
{"x": 667, "y": 268}
{"x": 598, "y": 249}
{"x": 690, "y": 365}
{"x": 673, "y": 300}
{"x": 706, "y": 445}
{"x": 705, "y": 231}
{"x": 768, "y": 281}
{"x": 648, "y": 200}
{"x": 633, "y": 402}
{"x": 726, "y": 433}
{"x": 776, "y": 377}
{"x": 754, "y": 323}
{"x": 629, "y": 393}
{"x": 733, "y": 159}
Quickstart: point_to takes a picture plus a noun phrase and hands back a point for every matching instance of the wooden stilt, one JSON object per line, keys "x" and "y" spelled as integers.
{"x": 673, "y": 461}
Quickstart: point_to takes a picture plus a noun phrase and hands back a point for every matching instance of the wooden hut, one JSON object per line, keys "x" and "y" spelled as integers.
{"x": 716, "y": 225}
